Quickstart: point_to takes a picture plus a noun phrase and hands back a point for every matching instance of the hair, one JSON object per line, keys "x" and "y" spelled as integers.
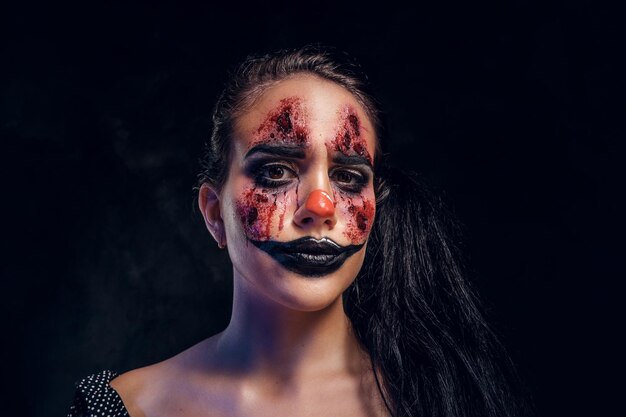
{"x": 410, "y": 306}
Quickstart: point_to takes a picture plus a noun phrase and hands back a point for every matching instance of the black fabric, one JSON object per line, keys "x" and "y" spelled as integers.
{"x": 96, "y": 398}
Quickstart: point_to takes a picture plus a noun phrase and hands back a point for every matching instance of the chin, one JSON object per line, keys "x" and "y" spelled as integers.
{"x": 307, "y": 299}
{"x": 305, "y": 293}
{"x": 262, "y": 276}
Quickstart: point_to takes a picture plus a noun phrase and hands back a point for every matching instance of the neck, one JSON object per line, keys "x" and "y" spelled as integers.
{"x": 265, "y": 337}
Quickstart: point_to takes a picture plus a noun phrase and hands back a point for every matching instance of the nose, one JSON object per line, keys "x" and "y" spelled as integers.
{"x": 320, "y": 203}
{"x": 319, "y": 209}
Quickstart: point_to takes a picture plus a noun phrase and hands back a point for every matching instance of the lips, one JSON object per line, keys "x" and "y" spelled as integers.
{"x": 308, "y": 256}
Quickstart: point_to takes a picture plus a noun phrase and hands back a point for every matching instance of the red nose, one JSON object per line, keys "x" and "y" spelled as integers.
{"x": 320, "y": 203}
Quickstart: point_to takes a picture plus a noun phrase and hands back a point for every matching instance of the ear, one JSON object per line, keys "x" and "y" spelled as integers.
{"x": 209, "y": 202}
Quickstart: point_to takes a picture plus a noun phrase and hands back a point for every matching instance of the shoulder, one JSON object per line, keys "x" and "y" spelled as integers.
{"x": 94, "y": 396}
{"x": 161, "y": 388}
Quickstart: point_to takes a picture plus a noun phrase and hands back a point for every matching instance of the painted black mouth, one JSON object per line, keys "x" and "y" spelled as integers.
{"x": 308, "y": 256}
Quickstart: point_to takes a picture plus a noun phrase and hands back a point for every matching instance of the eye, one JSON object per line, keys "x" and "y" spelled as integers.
{"x": 348, "y": 180}
{"x": 273, "y": 175}
{"x": 275, "y": 172}
{"x": 344, "y": 177}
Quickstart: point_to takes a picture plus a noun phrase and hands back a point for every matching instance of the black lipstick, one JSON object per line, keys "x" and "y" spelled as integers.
{"x": 308, "y": 256}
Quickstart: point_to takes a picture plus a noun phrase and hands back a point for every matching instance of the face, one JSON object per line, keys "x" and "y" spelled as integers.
{"x": 298, "y": 203}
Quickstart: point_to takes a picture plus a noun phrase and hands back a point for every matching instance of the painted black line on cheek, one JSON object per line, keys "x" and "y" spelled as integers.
{"x": 281, "y": 221}
{"x": 297, "y": 198}
{"x": 275, "y": 207}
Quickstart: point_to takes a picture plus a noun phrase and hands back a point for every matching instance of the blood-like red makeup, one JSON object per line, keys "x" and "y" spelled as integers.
{"x": 256, "y": 209}
{"x": 360, "y": 212}
{"x": 285, "y": 123}
{"x": 262, "y": 209}
{"x": 348, "y": 138}
{"x": 360, "y": 208}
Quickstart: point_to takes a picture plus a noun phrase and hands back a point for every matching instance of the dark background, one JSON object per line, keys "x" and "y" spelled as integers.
{"x": 509, "y": 108}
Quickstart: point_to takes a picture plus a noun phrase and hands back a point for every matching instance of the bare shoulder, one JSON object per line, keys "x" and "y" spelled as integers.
{"x": 154, "y": 390}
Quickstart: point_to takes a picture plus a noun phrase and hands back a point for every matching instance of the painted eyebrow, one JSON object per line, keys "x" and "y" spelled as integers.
{"x": 297, "y": 152}
{"x": 342, "y": 159}
{"x": 286, "y": 151}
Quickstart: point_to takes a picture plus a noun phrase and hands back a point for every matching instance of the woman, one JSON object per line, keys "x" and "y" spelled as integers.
{"x": 348, "y": 296}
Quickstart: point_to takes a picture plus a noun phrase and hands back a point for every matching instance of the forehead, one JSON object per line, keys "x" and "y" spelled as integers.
{"x": 317, "y": 107}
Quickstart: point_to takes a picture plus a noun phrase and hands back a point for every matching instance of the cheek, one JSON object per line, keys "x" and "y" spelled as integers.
{"x": 358, "y": 212}
{"x": 262, "y": 213}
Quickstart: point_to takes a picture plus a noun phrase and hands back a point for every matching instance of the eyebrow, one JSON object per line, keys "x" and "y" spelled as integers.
{"x": 286, "y": 151}
{"x": 298, "y": 152}
{"x": 343, "y": 159}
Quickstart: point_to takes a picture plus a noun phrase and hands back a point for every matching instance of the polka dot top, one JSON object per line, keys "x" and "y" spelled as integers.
{"x": 96, "y": 398}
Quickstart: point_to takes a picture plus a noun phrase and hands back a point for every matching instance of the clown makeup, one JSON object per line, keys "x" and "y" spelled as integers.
{"x": 348, "y": 138}
{"x": 306, "y": 196}
{"x": 286, "y": 123}
{"x": 350, "y": 148}
{"x": 278, "y": 142}
{"x": 283, "y": 152}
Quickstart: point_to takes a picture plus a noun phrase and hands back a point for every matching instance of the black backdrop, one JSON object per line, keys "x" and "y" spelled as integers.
{"x": 509, "y": 108}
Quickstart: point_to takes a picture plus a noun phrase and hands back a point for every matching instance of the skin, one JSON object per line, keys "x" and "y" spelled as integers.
{"x": 288, "y": 349}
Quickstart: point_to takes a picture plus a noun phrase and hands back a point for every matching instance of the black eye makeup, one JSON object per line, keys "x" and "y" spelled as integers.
{"x": 350, "y": 180}
{"x": 273, "y": 173}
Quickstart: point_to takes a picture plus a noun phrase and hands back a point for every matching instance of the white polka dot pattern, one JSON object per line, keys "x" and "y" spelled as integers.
{"x": 95, "y": 398}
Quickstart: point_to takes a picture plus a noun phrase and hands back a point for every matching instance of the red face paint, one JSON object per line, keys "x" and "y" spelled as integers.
{"x": 285, "y": 123}
{"x": 255, "y": 209}
{"x": 361, "y": 218}
{"x": 360, "y": 210}
{"x": 262, "y": 211}
{"x": 348, "y": 138}
{"x": 320, "y": 203}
